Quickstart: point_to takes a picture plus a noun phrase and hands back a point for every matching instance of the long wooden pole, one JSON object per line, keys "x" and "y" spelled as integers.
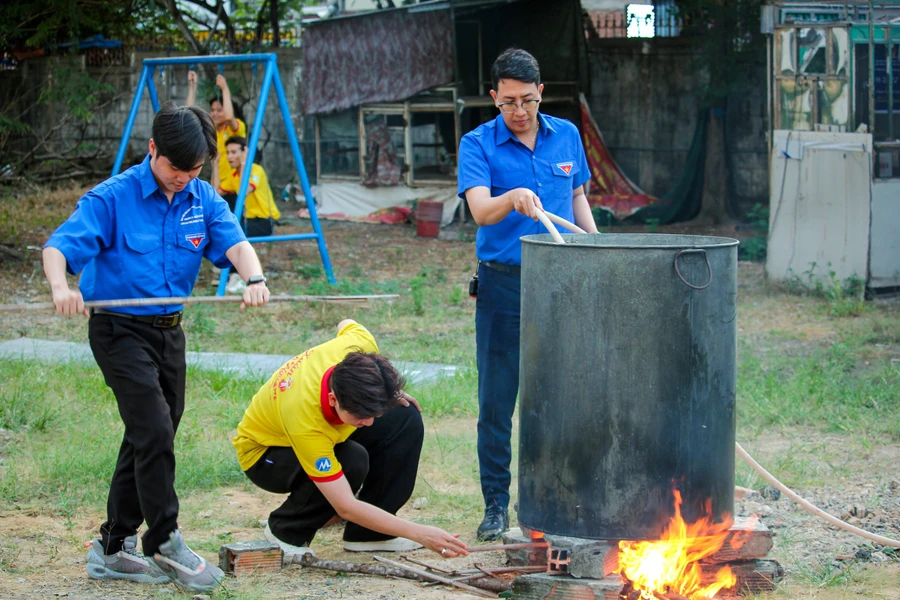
{"x": 188, "y": 300}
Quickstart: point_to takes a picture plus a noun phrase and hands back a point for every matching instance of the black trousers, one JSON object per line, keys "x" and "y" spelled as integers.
{"x": 145, "y": 368}
{"x": 382, "y": 459}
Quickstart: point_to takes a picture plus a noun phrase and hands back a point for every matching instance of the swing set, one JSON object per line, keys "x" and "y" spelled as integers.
{"x": 270, "y": 79}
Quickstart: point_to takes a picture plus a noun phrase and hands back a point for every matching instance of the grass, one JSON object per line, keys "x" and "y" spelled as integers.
{"x": 812, "y": 369}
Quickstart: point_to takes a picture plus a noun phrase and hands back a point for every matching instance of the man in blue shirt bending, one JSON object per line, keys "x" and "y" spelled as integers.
{"x": 510, "y": 168}
{"x": 142, "y": 234}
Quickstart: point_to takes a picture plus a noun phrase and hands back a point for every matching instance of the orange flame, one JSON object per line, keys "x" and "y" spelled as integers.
{"x": 656, "y": 568}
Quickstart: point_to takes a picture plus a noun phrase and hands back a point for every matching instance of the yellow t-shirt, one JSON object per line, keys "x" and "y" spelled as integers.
{"x": 260, "y": 204}
{"x": 291, "y": 409}
{"x": 222, "y": 136}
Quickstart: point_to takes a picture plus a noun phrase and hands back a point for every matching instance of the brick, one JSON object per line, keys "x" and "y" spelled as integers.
{"x": 246, "y": 557}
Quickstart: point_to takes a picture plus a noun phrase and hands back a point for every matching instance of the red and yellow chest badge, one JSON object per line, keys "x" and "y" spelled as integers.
{"x": 285, "y": 384}
{"x": 565, "y": 167}
{"x": 195, "y": 238}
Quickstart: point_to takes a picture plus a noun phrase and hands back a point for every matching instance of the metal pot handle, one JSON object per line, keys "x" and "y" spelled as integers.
{"x": 708, "y": 268}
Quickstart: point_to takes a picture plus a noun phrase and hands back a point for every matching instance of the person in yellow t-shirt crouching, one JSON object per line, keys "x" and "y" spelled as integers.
{"x": 259, "y": 206}
{"x": 334, "y": 429}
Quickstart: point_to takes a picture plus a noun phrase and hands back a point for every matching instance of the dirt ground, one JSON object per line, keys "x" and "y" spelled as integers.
{"x": 42, "y": 554}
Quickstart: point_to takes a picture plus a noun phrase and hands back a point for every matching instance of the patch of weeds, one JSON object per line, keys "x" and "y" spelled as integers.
{"x": 823, "y": 389}
{"x": 455, "y": 295}
{"x": 456, "y": 395}
{"x": 355, "y": 271}
{"x": 349, "y": 287}
{"x": 309, "y": 271}
{"x": 201, "y": 322}
{"x": 652, "y": 225}
{"x": 24, "y": 408}
{"x": 417, "y": 290}
{"x": 823, "y": 574}
{"x": 844, "y": 298}
{"x": 9, "y": 553}
{"x": 754, "y": 248}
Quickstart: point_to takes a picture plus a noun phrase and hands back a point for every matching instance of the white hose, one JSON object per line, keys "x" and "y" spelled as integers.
{"x": 543, "y": 218}
{"x": 810, "y": 507}
{"x": 567, "y": 224}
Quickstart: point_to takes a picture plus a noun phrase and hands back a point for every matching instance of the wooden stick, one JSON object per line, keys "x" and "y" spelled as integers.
{"x": 432, "y": 577}
{"x": 188, "y": 300}
{"x": 530, "y": 569}
{"x": 428, "y": 566}
{"x": 508, "y": 546}
{"x": 479, "y": 573}
{"x": 486, "y": 572}
{"x": 310, "y": 560}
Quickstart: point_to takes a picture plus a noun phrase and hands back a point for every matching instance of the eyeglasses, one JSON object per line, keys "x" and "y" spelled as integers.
{"x": 527, "y": 106}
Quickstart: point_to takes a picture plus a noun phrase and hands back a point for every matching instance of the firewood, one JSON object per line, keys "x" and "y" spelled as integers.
{"x": 432, "y": 577}
{"x": 753, "y": 576}
{"x": 747, "y": 539}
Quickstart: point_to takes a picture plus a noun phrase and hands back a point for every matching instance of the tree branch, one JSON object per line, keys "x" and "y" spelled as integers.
{"x": 182, "y": 27}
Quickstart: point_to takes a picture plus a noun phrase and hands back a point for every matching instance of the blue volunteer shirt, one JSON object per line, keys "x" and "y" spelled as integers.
{"x": 132, "y": 243}
{"x": 491, "y": 156}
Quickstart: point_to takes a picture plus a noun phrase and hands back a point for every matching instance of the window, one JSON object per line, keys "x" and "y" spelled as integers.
{"x": 641, "y": 20}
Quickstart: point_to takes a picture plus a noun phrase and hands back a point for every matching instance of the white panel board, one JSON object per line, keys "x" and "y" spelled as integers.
{"x": 884, "y": 243}
{"x": 819, "y": 207}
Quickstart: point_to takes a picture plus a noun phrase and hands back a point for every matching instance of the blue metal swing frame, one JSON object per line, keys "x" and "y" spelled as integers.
{"x": 270, "y": 79}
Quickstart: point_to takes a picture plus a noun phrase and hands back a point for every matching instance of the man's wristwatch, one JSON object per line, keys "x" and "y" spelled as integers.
{"x": 256, "y": 279}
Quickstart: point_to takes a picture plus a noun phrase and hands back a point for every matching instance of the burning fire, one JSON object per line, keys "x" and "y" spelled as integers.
{"x": 657, "y": 569}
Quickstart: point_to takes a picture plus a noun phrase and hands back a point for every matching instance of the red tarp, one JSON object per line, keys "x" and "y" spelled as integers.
{"x": 610, "y": 189}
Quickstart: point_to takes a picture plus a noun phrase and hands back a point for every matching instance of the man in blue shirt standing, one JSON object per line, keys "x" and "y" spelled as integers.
{"x": 142, "y": 234}
{"x": 510, "y": 168}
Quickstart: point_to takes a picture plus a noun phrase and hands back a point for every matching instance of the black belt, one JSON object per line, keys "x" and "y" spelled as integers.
{"x": 159, "y": 321}
{"x": 503, "y": 268}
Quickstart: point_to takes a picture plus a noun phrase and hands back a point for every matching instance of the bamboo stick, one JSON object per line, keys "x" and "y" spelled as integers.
{"x": 508, "y": 546}
{"x": 189, "y": 300}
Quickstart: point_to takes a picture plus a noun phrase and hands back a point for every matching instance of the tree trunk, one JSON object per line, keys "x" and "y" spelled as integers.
{"x": 182, "y": 27}
{"x": 276, "y": 33}
{"x": 714, "y": 202}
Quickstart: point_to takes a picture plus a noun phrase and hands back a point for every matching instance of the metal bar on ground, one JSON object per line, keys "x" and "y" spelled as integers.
{"x": 189, "y": 300}
{"x": 433, "y": 577}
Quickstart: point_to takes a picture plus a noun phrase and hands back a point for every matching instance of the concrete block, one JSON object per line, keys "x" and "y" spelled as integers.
{"x": 582, "y": 558}
{"x": 523, "y": 557}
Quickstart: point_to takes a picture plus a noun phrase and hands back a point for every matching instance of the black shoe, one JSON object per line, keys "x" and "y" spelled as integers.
{"x": 495, "y": 522}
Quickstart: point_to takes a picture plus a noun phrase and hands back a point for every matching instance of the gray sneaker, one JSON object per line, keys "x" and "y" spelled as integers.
{"x": 185, "y": 567}
{"x": 127, "y": 563}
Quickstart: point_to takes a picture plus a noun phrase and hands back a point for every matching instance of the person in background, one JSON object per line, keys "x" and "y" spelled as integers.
{"x": 221, "y": 109}
{"x": 259, "y": 206}
{"x": 509, "y": 168}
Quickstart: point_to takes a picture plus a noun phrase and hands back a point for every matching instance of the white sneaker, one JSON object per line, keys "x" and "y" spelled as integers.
{"x": 397, "y": 544}
{"x": 290, "y": 551}
{"x": 235, "y": 284}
